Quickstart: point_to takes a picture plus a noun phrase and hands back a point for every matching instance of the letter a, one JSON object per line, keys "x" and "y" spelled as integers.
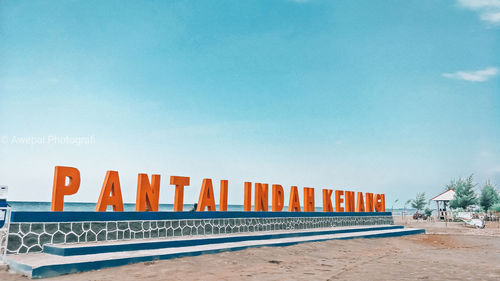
{"x": 360, "y": 203}
{"x": 111, "y": 194}
{"x": 294, "y": 203}
{"x": 207, "y": 198}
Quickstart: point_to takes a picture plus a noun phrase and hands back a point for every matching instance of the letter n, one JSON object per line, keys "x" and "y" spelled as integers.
{"x": 369, "y": 202}
{"x": 261, "y": 197}
{"x": 349, "y": 201}
{"x": 147, "y": 194}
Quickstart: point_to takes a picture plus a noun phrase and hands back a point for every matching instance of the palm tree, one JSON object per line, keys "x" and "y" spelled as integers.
{"x": 404, "y": 207}
{"x": 392, "y": 207}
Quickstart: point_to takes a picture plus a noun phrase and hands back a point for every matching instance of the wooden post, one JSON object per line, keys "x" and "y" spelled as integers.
{"x": 498, "y": 218}
{"x": 437, "y": 203}
{"x": 445, "y": 214}
{"x": 404, "y": 214}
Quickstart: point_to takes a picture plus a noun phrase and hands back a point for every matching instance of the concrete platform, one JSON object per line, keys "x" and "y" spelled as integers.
{"x": 42, "y": 265}
{"x": 155, "y": 243}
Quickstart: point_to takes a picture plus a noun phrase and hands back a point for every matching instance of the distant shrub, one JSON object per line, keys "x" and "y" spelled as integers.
{"x": 495, "y": 207}
{"x": 464, "y": 193}
{"x": 419, "y": 201}
{"x": 489, "y": 196}
{"x": 428, "y": 212}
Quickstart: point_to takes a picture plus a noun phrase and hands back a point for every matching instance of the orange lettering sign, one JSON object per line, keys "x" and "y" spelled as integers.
{"x": 309, "y": 199}
{"x": 379, "y": 203}
{"x": 111, "y": 194}
{"x": 148, "y": 195}
{"x": 294, "y": 203}
{"x": 327, "y": 200}
{"x": 180, "y": 183}
{"x": 349, "y": 201}
{"x": 339, "y": 200}
{"x": 67, "y": 182}
{"x": 369, "y": 202}
{"x": 60, "y": 189}
{"x": 223, "y": 195}
{"x": 360, "y": 203}
{"x": 261, "y": 197}
{"x": 278, "y": 198}
{"x": 247, "y": 203}
{"x": 207, "y": 198}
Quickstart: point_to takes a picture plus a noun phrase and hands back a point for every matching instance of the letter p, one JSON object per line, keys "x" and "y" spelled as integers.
{"x": 60, "y": 189}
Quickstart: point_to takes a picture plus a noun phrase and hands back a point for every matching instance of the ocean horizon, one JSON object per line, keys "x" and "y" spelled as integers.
{"x": 44, "y": 206}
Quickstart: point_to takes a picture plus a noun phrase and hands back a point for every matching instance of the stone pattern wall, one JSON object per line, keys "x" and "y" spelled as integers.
{"x": 3, "y": 243}
{"x": 30, "y": 237}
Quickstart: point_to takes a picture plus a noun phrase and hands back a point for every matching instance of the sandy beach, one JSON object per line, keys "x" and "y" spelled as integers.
{"x": 454, "y": 252}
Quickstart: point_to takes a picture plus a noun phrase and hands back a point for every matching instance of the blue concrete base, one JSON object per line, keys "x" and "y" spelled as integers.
{"x": 61, "y": 265}
{"x": 79, "y": 249}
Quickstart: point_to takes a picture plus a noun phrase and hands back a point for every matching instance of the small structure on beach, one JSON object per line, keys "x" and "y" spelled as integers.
{"x": 442, "y": 201}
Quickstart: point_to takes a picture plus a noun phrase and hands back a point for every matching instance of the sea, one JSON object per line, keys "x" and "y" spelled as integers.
{"x": 89, "y": 207}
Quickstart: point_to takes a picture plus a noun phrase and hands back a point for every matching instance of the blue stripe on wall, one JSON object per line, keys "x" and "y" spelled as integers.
{"x": 127, "y": 216}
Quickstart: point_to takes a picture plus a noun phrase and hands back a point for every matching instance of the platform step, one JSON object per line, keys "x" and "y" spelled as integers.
{"x": 149, "y": 244}
{"x": 43, "y": 265}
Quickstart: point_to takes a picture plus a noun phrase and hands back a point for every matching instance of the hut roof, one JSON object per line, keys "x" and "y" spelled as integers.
{"x": 445, "y": 196}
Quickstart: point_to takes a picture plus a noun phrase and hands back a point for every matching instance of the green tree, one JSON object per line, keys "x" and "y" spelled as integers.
{"x": 495, "y": 207}
{"x": 489, "y": 196}
{"x": 419, "y": 201}
{"x": 464, "y": 193}
{"x": 428, "y": 211}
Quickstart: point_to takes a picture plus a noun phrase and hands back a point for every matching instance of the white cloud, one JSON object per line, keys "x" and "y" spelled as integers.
{"x": 495, "y": 170}
{"x": 474, "y": 76}
{"x": 489, "y": 10}
{"x": 478, "y": 4}
{"x": 493, "y": 17}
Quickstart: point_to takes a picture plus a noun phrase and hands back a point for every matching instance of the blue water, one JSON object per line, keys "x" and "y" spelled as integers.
{"x": 89, "y": 207}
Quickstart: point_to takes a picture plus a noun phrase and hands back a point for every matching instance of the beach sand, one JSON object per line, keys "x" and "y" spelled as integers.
{"x": 445, "y": 253}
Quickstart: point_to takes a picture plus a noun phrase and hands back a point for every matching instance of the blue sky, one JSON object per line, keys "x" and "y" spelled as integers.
{"x": 394, "y": 97}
